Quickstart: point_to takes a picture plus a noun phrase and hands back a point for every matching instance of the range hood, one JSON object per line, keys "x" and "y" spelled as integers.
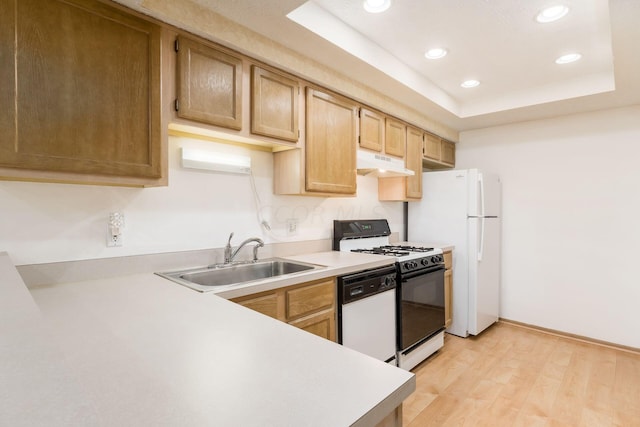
{"x": 378, "y": 165}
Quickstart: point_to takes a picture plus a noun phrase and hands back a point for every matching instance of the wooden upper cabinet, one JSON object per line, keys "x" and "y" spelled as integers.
{"x": 209, "y": 86}
{"x": 405, "y": 188}
{"x": 395, "y": 137}
{"x": 438, "y": 153}
{"x": 371, "y": 130}
{"x": 413, "y": 161}
{"x": 448, "y": 154}
{"x": 274, "y": 104}
{"x": 80, "y": 92}
{"x": 432, "y": 146}
{"x": 330, "y": 158}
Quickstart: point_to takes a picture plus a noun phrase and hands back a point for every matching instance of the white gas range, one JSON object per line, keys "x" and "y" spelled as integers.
{"x": 416, "y": 291}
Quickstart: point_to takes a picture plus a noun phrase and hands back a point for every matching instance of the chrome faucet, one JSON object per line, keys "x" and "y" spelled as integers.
{"x": 230, "y": 254}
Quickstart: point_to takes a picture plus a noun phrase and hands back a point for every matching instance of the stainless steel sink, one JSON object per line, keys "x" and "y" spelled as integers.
{"x": 213, "y": 277}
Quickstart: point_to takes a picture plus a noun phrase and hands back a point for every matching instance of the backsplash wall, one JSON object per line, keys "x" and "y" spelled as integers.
{"x": 43, "y": 223}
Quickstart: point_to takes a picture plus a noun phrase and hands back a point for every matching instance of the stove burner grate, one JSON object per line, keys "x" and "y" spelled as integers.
{"x": 382, "y": 251}
{"x": 407, "y": 248}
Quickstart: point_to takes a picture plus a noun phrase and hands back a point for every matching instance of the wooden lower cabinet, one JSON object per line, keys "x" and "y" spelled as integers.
{"x": 448, "y": 289}
{"x": 310, "y": 306}
{"x": 322, "y": 324}
{"x": 266, "y": 304}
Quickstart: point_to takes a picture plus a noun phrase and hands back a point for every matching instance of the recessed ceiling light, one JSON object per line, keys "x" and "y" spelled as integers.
{"x": 570, "y": 57}
{"x": 376, "y": 6}
{"x": 436, "y": 53}
{"x": 552, "y": 13}
{"x": 470, "y": 83}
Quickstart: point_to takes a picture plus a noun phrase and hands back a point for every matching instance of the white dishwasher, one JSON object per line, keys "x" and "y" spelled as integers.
{"x": 367, "y": 312}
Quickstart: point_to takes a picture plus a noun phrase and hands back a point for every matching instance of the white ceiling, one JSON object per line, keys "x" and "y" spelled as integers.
{"x": 497, "y": 42}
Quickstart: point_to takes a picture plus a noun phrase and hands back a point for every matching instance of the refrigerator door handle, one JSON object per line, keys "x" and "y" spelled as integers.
{"x": 481, "y": 195}
{"x": 481, "y": 248}
{"x": 481, "y": 215}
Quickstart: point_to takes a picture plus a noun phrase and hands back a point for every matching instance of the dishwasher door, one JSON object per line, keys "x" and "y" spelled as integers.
{"x": 369, "y": 325}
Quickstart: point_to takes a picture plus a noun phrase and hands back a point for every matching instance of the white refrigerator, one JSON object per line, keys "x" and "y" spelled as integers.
{"x": 462, "y": 208}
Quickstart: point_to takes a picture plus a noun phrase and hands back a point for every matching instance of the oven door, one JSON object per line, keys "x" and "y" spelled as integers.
{"x": 420, "y": 304}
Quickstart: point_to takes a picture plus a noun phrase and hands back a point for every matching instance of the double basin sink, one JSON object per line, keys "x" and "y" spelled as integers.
{"x": 205, "y": 279}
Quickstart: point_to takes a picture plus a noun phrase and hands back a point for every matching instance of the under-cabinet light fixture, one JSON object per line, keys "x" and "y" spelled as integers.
{"x": 215, "y": 161}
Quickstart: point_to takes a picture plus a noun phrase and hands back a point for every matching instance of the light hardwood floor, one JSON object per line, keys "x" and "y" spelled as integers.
{"x": 513, "y": 376}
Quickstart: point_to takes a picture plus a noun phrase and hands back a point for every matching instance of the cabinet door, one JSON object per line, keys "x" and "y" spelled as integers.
{"x": 371, "y": 130}
{"x": 432, "y": 147}
{"x": 322, "y": 324}
{"x": 395, "y": 137}
{"x": 413, "y": 161}
{"x": 330, "y": 149}
{"x": 209, "y": 87}
{"x": 80, "y": 89}
{"x": 274, "y": 105}
{"x": 448, "y": 152}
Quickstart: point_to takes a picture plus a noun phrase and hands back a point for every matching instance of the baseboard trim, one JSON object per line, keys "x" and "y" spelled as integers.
{"x": 574, "y": 337}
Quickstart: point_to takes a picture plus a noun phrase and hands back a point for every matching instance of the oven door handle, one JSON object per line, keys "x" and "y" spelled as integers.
{"x": 412, "y": 274}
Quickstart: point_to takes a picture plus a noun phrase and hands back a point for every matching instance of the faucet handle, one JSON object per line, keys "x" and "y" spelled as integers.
{"x": 229, "y": 241}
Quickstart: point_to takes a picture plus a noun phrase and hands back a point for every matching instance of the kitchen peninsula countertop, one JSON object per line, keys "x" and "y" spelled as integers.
{"x": 142, "y": 350}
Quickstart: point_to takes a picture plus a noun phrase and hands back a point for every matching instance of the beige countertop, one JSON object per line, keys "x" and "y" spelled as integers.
{"x": 142, "y": 350}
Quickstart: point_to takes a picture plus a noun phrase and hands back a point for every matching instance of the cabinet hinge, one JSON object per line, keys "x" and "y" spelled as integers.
{"x": 177, "y": 105}
{"x": 176, "y": 45}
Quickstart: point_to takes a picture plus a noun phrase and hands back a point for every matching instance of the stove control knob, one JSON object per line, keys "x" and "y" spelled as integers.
{"x": 425, "y": 261}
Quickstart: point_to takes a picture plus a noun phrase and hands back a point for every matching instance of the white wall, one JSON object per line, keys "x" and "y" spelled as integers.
{"x": 43, "y": 223}
{"x": 571, "y": 226}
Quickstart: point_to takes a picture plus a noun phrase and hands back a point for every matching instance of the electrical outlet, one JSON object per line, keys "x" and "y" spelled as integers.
{"x": 115, "y": 226}
{"x": 292, "y": 226}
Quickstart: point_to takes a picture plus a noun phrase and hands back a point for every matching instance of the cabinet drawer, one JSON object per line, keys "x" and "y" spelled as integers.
{"x": 309, "y": 298}
{"x": 266, "y": 304}
{"x": 448, "y": 257}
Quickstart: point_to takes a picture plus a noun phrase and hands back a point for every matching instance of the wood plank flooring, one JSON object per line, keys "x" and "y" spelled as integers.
{"x": 514, "y": 376}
